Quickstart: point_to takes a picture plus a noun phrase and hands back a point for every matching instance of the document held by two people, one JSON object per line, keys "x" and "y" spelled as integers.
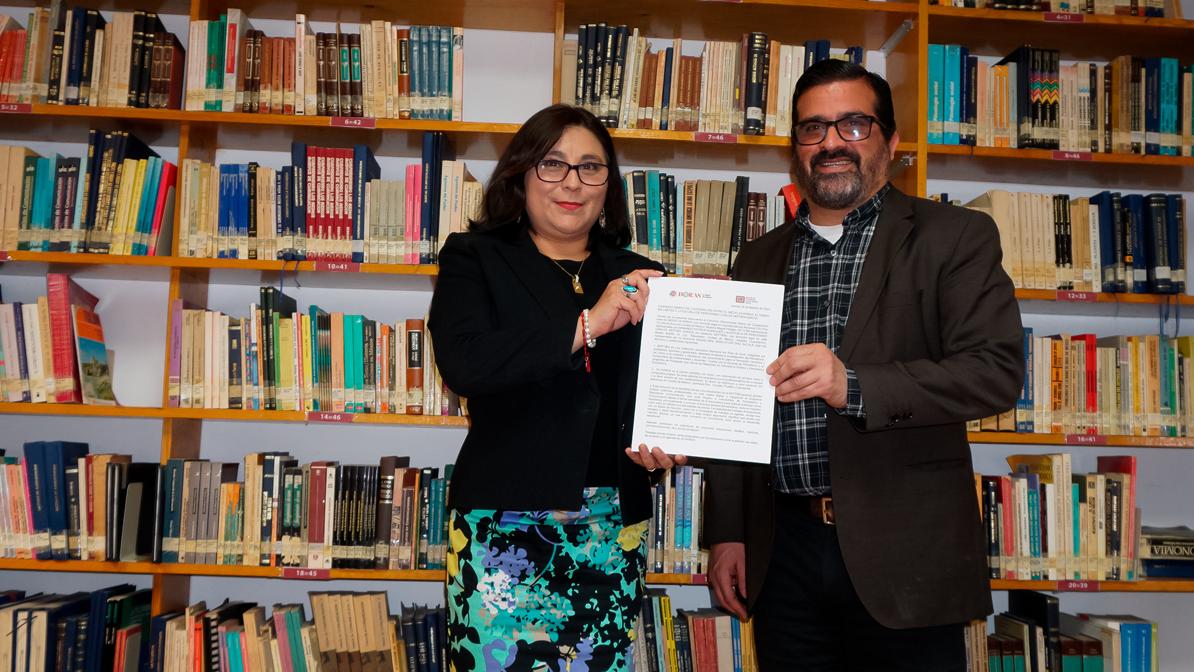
{"x": 703, "y": 389}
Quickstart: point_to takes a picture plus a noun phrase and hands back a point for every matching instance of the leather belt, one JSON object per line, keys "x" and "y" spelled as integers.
{"x": 820, "y": 507}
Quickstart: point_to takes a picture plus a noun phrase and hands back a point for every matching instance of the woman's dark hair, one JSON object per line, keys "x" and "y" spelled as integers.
{"x": 834, "y": 70}
{"x": 505, "y": 196}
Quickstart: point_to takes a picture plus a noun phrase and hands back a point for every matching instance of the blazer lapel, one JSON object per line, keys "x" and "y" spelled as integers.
{"x": 892, "y": 229}
{"x": 540, "y": 279}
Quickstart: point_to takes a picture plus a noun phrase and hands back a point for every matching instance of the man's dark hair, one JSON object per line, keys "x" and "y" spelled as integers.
{"x": 505, "y": 196}
{"x": 834, "y": 70}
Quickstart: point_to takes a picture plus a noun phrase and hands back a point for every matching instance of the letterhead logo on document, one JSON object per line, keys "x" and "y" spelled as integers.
{"x": 691, "y": 295}
{"x": 745, "y": 300}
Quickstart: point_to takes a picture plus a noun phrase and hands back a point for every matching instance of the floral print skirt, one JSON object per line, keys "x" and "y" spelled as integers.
{"x": 544, "y": 590}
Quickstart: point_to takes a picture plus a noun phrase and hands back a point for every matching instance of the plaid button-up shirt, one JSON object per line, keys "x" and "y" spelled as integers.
{"x": 819, "y": 288}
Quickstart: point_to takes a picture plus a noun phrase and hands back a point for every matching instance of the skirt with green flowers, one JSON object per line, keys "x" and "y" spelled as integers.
{"x": 544, "y": 590}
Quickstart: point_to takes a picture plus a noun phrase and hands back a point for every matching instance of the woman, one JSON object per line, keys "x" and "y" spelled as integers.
{"x": 535, "y": 319}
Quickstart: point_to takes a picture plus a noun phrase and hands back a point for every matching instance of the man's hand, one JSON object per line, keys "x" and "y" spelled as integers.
{"x": 808, "y": 371}
{"x": 727, "y": 576}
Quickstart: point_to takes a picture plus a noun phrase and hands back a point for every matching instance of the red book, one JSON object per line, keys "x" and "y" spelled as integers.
{"x": 62, "y": 292}
{"x": 165, "y": 198}
{"x": 791, "y": 194}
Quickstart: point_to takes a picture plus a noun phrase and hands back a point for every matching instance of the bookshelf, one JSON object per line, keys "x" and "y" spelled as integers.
{"x": 894, "y": 33}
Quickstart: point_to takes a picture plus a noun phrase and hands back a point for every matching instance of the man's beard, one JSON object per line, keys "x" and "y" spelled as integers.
{"x": 841, "y": 191}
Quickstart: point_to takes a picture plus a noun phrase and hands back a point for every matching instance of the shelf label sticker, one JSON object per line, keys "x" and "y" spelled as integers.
{"x": 328, "y": 416}
{"x": 354, "y": 122}
{"x": 1078, "y": 586}
{"x": 1064, "y": 17}
{"x": 1169, "y": 441}
{"x": 1085, "y": 440}
{"x": 700, "y": 579}
{"x": 337, "y": 267}
{"x": 306, "y": 573}
{"x": 3, "y": 256}
{"x": 16, "y": 108}
{"x": 720, "y": 138}
{"x": 1066, "y": 155}
{"x": 1077, "y": 297}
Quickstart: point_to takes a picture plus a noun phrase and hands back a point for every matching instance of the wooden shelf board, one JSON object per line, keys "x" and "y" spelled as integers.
{"x": 273, "y": 120}
{"x": 84, "y": 259}
{"x": 8, "y": 408}
{"x": 1143, "y": 586}
{"x": 1077, "y": 440}
{"x": 1047, "y": 155}
{"x": 155, "y": 569}
{"x": 998, "y": 32}
{"x": 1100, "y": 297}
{"x": 849, "y": 22}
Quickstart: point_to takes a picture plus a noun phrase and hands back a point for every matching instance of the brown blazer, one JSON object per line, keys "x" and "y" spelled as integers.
{"x": 935, "y": 337}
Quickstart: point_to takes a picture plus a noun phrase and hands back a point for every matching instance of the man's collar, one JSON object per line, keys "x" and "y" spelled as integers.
{"x": 863, "y": 213}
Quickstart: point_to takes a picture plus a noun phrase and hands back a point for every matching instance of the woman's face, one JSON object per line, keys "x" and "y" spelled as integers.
{"x": 567, "y": 209}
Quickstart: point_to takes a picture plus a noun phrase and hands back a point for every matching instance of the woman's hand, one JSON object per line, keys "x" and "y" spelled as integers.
{"x": 654, "y": 458}
{"x": 617, "y": 307}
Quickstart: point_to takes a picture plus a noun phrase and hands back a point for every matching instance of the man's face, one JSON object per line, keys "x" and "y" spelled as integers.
{"x": 836, "y": 174}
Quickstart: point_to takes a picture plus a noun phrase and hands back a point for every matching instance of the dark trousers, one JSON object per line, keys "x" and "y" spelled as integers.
{"x": 809, "y": 618}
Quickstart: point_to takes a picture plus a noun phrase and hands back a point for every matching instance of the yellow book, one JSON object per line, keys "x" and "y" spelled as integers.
{"x": 126, "y": 204}
{"x": 286, "y": 354}
{"x": 308, "y": 363}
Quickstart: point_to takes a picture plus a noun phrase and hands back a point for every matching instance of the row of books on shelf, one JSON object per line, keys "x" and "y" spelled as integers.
{"x": 1167, "y": 552}
{"x": 1111, "y": 385}
{"x": 683, "y": 640}
{"x": 118, "y": 199}
{"x": 280, "y": 358}
{"x": 1044, "y": 522}
{"x": 53, "y": 350}
{"x": 1131, "y": 105}
{"x": 742, "y": 87}
{"x": 328, "y": 204}
{"x": 62, "y": 502}
{"x": 1034, "y": 635}
{"x": 1105, "y": 7}
{"x": 382, "y": 70}
{"x": 697, "y": 227}
{"x": 1108, "y": 242}
{"x": 79, "y": 56}
{"x": 74, "y": 56}
{"x": 113, "y": 629}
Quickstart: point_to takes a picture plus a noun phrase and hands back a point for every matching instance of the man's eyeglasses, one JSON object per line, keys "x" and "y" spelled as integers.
{"x": 591, "y": 173}
{"x": 851, "y": 128}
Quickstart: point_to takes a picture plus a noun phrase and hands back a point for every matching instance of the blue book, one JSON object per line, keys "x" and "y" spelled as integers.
{"x": 222, "y": 213}
{"x": 39, "y": 508}
{"x": 443, "y": 71}
{"x": 1024, "y": 405}
{"x": 364, "y": 169}
{"x": 1176, "y": 238}
{"x": 1170, "y": 91}
{"x": 358, "y": 355}
{"x": 157, "y": 643}
{"x": 665, "y": 103}
{"x": 22, "y": 357}
{"x": 1109, "y": 242}
{"x": 42, "y": 220}
{"x": 77, "y": 212}
{"x": 172, "y": 508}
{"x": 967, "y": 93}
{"x": 936, "y": 127}
{"x": 654, "y": 223}
{"x": 297, "y": 220}
{"x": 736, "y": 640}
{"x": 951, "y": 95}
{"x": 283, "y": 205}
{"x": 73, "y": 59}
{"x": 58, "y": 455}
{"x": 239, "y": 249}
{"x": 144, "y": 226}
{"x": 1136, "y": 223}
{"x": 1152, "y": 106}
{"x": 97, "y": 617}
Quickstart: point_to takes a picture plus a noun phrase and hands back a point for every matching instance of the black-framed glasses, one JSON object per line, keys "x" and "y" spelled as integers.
{"x": 590, "y": 172}
{"x": 851, "y": 128}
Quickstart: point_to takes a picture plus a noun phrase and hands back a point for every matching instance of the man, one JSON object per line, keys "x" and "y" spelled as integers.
{"x": 860, "y": 547}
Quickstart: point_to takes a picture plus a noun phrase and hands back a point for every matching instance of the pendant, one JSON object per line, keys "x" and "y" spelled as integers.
{"x": 576, "y": 288}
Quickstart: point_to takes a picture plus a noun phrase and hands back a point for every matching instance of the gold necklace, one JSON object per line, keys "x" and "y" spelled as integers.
{"x": 576, "y": 286}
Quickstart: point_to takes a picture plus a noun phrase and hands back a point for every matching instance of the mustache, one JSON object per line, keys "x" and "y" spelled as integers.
{"x": 840, "y": 153}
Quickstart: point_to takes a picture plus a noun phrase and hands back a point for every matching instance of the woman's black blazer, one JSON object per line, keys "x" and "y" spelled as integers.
{"x": 502, "y": 323}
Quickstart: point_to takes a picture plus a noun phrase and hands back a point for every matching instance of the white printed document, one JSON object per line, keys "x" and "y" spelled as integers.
{"x": 703, "y": 388}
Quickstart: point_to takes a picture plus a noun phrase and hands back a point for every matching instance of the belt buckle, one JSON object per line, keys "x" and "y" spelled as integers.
{"x": 823, "y": 507}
